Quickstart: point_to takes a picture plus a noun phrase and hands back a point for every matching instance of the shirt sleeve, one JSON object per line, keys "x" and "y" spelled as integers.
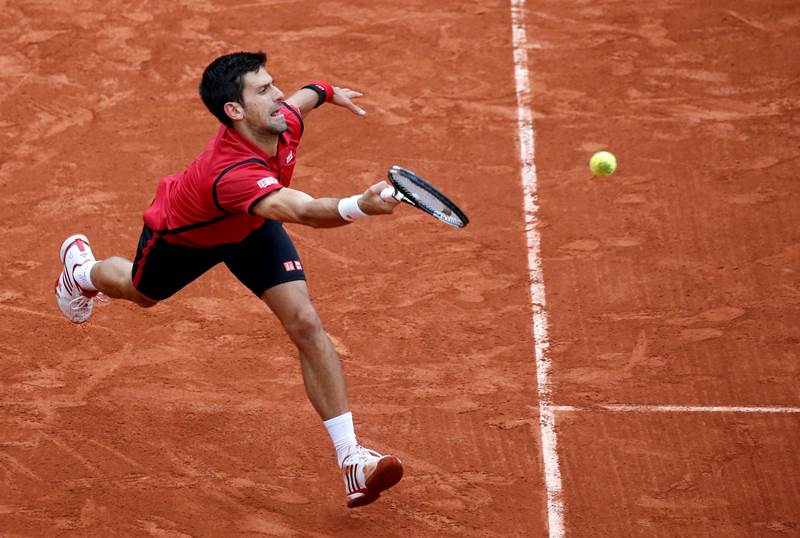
{"x": 294, "y": 120}
{"x": 239, "y": 189}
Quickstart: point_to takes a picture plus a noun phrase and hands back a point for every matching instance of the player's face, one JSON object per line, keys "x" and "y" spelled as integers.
{"x": 262, "y": 103}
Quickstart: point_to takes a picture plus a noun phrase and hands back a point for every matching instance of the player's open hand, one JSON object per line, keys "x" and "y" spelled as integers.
{"x": 372, "y": 203}
{"x": 344, "y": 97}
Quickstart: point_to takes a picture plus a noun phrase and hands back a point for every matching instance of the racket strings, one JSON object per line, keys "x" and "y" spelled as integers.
{"x": 427, "y": 200}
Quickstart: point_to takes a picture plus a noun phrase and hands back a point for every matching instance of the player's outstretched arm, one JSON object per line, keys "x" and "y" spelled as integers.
{"x": 291, "y": 205}
{"x": 313, "y": 95}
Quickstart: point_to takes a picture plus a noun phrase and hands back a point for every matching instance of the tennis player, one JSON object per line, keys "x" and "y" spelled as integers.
{"x": 229, "y": 206}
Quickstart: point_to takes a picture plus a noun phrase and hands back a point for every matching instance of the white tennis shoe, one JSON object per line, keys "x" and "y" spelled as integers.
{"x": 367, "y": 474}
{"x": 74, "y": 302}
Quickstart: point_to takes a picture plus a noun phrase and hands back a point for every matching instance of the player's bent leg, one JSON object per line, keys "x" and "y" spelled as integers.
{"x": 322, "y": 372}
{"x": 82, "y": 277}
{"x": 112, "y": 277}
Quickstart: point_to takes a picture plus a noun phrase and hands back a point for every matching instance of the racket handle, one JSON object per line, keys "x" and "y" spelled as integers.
{"x": 391, "y": 192}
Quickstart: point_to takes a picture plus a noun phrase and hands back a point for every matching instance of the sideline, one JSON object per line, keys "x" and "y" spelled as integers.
{"x": 547, "y": 418}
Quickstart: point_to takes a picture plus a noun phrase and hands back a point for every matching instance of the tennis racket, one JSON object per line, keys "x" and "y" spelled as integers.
{"x": 411, "y": 189}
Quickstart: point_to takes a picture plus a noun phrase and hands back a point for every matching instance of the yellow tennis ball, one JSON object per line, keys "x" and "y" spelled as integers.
{"x": 603, "y": 163}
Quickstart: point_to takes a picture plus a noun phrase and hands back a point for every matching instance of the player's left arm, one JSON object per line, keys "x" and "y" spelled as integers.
{"x": 315, "y": 94}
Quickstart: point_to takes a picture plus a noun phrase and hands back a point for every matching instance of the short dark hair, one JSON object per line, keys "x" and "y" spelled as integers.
{"x": 222, "y": 81}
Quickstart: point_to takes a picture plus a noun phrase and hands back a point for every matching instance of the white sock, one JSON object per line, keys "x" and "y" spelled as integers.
{"x": 83, "y": 275}
{"x": 342, "y": 434}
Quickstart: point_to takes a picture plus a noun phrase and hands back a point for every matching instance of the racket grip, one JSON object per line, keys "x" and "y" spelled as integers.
{"x": 391, "y": 192}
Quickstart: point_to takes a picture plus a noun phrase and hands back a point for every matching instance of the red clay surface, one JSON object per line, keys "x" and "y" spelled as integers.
{"x": 672, "y": 282}
{"x": 191, "y": 418}
{"x": 677, "y": 280}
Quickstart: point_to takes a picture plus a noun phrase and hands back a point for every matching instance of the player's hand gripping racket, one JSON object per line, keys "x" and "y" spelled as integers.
{"x": 413, "y": 190}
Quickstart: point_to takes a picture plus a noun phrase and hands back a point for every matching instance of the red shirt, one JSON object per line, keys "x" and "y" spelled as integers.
{"x": 209, "y": 203}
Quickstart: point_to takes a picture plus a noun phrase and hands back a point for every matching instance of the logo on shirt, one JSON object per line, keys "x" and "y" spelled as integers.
{"x": 265, "y": 182}
{"x": 289, "y": 157}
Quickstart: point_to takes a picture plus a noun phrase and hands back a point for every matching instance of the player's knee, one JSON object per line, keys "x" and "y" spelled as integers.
{"x": 304, "y": 325}
{"x": 144, "y": 302}
{"x": 136, "y": 296}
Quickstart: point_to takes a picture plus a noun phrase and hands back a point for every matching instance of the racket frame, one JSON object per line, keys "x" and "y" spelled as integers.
{"x": 403, "y": 195}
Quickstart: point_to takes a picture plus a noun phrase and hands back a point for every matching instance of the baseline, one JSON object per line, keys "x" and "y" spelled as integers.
{"x": 635, "y": 408}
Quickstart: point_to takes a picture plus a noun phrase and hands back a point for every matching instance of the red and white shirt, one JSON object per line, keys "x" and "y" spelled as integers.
{"x": 209, "y": 203}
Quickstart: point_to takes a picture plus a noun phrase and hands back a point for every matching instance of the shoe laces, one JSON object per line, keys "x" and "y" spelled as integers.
{"x": 360, "y": 455}
{"x": 79, "y": 303}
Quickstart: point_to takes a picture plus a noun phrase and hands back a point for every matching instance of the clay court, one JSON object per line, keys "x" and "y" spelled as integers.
{"x": 615, "y": 357}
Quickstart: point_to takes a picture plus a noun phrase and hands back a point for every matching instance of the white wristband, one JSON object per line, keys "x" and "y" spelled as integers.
{"x": 349, "y": 210}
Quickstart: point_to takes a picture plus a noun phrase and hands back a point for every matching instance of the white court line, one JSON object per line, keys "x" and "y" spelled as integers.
{"x": 633, "y": 408}
{"x": 547, "y": 418}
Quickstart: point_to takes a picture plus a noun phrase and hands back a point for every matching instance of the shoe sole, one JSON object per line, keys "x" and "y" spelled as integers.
{"x": 387, "y": 473}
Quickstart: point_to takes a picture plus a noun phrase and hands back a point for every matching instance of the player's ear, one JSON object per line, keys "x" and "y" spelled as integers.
{"x": 233, "y": 110}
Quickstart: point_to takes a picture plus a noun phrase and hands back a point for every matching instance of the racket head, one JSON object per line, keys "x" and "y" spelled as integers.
{"x": 421, "y": 194}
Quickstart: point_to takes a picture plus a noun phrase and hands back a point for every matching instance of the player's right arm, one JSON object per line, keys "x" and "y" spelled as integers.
{"x": 292, "y": 205}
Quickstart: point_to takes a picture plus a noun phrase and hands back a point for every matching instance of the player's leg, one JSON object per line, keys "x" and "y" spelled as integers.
{"x": 268, "y": 264}
{"x": 322, "y": 371}
{"x": 366, "y": 472}
{"x": 112, "y": 277}
{"x": 159, "y": 270}
{"x": 82, "y": 277}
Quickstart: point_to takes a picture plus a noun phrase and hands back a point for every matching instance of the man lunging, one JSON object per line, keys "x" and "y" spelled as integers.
{"x": 229, "y": 206}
